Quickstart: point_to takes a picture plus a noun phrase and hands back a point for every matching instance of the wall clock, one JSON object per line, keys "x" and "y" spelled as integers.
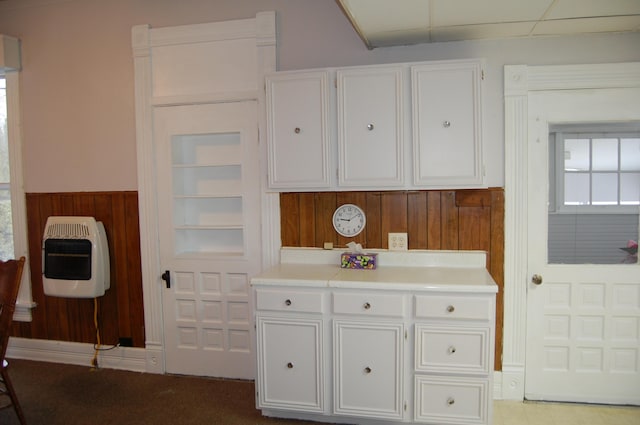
{"x": 349, "y": 220}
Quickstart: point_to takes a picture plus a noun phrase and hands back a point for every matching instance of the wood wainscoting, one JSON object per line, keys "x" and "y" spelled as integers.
{"x": 448, "y": 219}
{"x": 120, "y": 310}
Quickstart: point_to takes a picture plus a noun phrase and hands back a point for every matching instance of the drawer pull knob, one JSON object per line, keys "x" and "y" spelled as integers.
{"x": 287, "y": 302}
{"x": 297, "y": 130}
{"x": 289, "y": 365}
{"x": 446, "y": 124}
{"x": 451, "y": 401}
{"x": 452, "y": 350}
{"x": 370, "y": 127}
{"x": 367, "y": 369}
{"x": 367, "y": 306}
{"x": 451, "y": 309}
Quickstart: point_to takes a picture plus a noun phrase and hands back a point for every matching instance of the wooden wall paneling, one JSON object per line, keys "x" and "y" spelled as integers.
{"x": 373, "y": 229}
{"x": 393, "y": 214}
{"x": 307, "y": 219}
{"x": 417, "y": 221}
{"x": 290, "y": 217}
{"x": 133, "y": 270}
{"x": 449, "y": 217}
{"x": 121, "y": 308}
{"x": 434, "y": 220}
{"x": 496, "y": 266}
{"x": 117, "y": 306}
{"x": 325, "y": 205}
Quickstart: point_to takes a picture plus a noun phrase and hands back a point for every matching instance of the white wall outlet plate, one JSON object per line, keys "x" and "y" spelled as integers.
{"x": 398, "y": 242}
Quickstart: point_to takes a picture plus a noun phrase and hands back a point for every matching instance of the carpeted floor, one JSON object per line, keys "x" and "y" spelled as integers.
{"x": 57, "y": 394}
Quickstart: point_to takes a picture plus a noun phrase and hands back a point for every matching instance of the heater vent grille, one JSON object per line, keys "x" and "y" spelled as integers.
{"x": 67, "y": 231}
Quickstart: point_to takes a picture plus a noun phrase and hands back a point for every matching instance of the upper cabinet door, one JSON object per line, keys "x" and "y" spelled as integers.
{"x": 447, "y": 130}
{"x": 370, "y": 126}
{"x": 298, "y": 130}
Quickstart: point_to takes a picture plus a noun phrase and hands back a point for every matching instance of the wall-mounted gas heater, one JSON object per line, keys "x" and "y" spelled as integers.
{"x": 75, "y": 258}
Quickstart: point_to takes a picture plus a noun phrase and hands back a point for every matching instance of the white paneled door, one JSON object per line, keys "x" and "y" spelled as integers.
{"x": 583, "y": 320}
{"x": 209, "y": 214}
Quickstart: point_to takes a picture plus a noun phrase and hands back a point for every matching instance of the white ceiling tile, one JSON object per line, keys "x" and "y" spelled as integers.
{"x": 385, "y": 15}
{"x": 593, "y": 8}
{"x": 587, "y": 25}
{"x": 462, "y": 12}
{"x": 481, "y": 31}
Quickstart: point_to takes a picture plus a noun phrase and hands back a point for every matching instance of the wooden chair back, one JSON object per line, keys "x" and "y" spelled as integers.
{"x": 10, "y": 278}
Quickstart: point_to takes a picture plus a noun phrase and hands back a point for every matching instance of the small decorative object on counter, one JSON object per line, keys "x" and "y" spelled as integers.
{"x": 352, "y": 260}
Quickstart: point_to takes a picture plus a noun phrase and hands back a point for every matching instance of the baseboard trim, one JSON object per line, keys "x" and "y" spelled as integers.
{"x": 81, "y": 354}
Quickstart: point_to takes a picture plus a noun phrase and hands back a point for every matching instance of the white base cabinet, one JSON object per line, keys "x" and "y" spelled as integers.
{"x": 361, "y": 352}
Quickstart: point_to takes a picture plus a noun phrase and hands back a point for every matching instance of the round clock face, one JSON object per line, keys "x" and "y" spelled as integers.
{"x": 349, "y": 220}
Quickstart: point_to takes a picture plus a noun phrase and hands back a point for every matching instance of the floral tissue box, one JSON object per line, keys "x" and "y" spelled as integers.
{"x": 350, "y": 260}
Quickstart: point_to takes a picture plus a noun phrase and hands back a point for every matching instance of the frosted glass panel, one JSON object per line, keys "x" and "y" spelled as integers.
{"x": 604, "y": 189}
{"x": 630, "y": 189}
{"x": 576, "y": 154}
{"x": 630, "y": 154}
{"x": 605, "y": 154}
{"x": 576, "y": 190}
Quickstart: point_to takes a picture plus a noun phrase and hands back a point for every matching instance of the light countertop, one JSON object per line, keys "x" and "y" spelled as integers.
{"x": 454, "y": 271}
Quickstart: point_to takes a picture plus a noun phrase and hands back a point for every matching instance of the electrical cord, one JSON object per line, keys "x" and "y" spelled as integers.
{"x": 96, "y": 346}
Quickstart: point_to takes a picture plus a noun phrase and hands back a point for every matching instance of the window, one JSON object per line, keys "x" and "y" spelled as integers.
{"x": 594, "y": 204}
{"x": 13, "y": 227}
{"x": 600, "y": 168}
{"x": 6, "y": 222}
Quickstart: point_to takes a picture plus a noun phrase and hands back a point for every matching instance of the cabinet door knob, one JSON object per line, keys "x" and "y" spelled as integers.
{"x": 287, "y": 302}
{"x": 446, "y": 124}
{"x": 451, "y": 401}
{"x": 370, "y": 127}
{"x": 289, "y": 365}
{"x": 451, "y": 350}
{"x": 366, "y": 306}
{"x": 296, "y": 130}
{"x": 451, "y": 309}
{"x": 367, "y": 369}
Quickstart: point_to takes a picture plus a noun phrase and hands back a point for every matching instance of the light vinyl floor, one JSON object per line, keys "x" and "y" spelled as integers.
{"x": 506, "y": 412}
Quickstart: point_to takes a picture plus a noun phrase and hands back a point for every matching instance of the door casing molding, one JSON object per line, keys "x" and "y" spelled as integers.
{"x": 258, "y": 32}
{"x": 519, "y": 82}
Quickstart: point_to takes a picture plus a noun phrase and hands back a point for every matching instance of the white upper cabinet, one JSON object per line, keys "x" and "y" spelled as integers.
{"x": 370, "y": 126}
{"x": 345, "y": 128}
{"x": 298, "y": 131}
{"x": 447, "y": 125}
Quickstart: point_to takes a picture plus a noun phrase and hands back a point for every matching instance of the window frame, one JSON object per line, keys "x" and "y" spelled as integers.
{"x": 25, "y": 301}
{"x": 557, "y": 172}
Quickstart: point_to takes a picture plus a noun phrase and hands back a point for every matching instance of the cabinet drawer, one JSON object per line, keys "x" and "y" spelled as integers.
{"x": 294, "y": 301}
{"x": 368, "y": 304}
{"x": 455, "y": 350}
{"x": 451, "y": 401}
{"x": 454, "y": 307}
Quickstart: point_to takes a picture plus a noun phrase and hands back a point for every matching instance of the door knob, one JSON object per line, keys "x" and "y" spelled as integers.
{"x": 166, "y": 276}
{"x": 536, "y": 279}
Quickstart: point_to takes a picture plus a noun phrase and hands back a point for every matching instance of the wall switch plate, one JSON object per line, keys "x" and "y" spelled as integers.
{"x": 398, "y": 242}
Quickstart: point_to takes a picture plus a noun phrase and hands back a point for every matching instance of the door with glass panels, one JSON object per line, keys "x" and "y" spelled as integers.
{"x": 209, "y": 234}
{"x": 583, "y": 283}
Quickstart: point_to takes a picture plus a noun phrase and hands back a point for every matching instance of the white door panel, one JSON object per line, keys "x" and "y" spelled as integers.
{"x": 583, "y": 321}
{"x": 209, "y": 215}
